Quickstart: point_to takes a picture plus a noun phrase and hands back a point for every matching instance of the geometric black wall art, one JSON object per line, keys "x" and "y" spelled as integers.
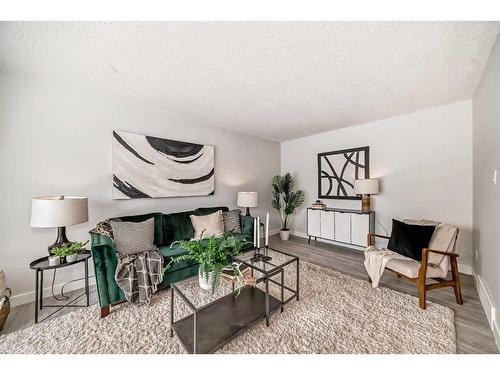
{"x": 150, "y": 167}
{"x": 337, "y": 171}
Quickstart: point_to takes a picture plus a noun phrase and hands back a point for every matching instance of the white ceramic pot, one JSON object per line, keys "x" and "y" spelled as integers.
{"x": 54, "y": 260}
{"x": 285, "y": 234}
{"x": 71, "y": 258}
{"x": 205, "y": 280}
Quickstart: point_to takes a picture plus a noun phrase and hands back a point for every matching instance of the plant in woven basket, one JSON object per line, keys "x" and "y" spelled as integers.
{"x": 213, "y": 255}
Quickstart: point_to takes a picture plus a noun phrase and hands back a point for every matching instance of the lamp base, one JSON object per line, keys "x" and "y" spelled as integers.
{"x": 61, "y": 239}
{"x": 365, "y": 204}
{"x": 248, "y": 212}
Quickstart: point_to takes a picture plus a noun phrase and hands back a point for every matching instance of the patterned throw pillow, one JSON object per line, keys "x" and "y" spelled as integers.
{"x": 208, "y": 225}
{"x": 232, "y": 221}
{"x": 133, "y": 238}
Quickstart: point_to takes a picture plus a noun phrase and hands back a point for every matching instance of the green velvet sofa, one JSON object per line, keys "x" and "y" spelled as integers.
{"x": 168, "y": 229}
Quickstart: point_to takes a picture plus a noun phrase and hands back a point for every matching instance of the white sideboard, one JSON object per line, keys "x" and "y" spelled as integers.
{"x": 340, "y": 225}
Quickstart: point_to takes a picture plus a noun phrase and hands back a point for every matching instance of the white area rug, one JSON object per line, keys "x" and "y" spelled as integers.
{"x": 336, "y": 314}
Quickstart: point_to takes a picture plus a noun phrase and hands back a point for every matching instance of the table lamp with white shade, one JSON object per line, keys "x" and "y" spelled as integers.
{"x": 58, "y": 212}
{"x": 248, "y": 199}
{"x": 366, "y": 187}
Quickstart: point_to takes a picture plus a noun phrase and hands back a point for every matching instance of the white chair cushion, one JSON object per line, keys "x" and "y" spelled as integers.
{"x": 410, "y": 268}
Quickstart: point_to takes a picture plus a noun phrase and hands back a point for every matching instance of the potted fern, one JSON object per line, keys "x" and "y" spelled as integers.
{"x": 213, "y": 255}
{"x": 285, "y": 200}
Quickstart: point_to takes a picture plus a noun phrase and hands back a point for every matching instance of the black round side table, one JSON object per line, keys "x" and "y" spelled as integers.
{"x": 42, "y": 264}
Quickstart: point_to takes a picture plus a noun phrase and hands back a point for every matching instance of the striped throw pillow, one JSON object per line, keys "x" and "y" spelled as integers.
{"x": 232, "y": 221}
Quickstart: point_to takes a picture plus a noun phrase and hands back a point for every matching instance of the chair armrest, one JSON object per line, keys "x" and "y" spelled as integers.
{"x": 371, "y": 236}
{"x": 438, "y": 252}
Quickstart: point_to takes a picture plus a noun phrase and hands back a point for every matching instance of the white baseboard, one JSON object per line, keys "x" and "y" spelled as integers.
{"x": 488, "y": 306}
{"x": 23, "y": 298}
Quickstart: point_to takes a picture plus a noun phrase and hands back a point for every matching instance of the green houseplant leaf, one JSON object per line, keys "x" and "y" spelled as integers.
{"x": 285, "y": 200}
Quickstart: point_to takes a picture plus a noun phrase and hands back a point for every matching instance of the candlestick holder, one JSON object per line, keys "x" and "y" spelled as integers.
{"x": 265, "y": 257}
{"x": 257, "y": 256}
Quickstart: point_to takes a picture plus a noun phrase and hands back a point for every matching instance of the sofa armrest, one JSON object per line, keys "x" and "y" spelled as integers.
{"x": 105, "y": 262}
{"x": 247, "y": 227}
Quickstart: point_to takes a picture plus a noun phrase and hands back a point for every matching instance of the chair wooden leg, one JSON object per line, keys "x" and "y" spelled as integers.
{"x": 104, "y": 311}
{"x": 421, "y": 293}
{"x": 456, "y": 279}
{"x": 369, "y": 279}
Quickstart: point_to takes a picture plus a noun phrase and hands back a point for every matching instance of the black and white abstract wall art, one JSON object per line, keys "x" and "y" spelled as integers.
{"x": 150, "y": 167}
{"x": 337, "y": 171}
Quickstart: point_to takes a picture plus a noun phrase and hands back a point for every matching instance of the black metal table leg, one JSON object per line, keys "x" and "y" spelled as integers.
{"x": 36, "y": 296}
{"x": 171, "y": 311}
{"x": 87, "y": 281}
{"x": 297, "y": 274}
{"x": 282, "y": 288}
{"x": 194, "y": 332}
{"x": 267, "y": 300}
{"x": 41, "y": 290}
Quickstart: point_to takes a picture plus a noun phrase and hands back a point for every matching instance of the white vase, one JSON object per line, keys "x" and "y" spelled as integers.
{"x": 71, "y": 257}
{"x": 285, "y": 234}
{"x": 54, "y": 260}
{"x": 205, "y": 280}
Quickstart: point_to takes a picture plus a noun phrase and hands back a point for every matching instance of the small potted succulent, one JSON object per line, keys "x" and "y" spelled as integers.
{"x": 68, "y": 253}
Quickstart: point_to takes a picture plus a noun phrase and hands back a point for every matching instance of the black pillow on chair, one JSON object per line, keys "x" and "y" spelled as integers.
{"x": 409, "y": 240}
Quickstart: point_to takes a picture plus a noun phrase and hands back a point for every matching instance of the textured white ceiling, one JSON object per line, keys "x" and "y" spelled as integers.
{"x": 271, "y": 79}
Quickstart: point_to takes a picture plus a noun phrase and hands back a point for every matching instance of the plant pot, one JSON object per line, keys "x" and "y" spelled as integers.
{"x": 54, "y": 260}
{"x": 284, "y": 234}
{"x": 205, "y": 280}
{"x": 71, "y": 257}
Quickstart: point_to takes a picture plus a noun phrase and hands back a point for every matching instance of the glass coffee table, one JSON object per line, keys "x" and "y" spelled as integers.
{"x": 216, "y": 318}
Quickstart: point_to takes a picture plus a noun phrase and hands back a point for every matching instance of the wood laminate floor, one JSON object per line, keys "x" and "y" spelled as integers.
{"x": 473, "y": 332}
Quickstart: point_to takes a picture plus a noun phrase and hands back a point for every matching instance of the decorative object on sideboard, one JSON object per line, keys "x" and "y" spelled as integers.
{"x": 4, "y": 299}
{"x": 248, "y": 199}
{"x": 366, "y": 187}
{"x": 337, "y": 171}
{"x": 319, "y": 205}
{"x": 285, "y": 200}
{"x": 150, "y": 167}
{"x": 58, "y": 212}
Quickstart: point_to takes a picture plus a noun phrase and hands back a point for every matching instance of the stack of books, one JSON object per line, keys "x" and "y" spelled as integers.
{"x": 319, "y": 205}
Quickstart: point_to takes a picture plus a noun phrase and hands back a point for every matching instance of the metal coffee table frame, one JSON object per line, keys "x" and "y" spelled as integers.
{"x": 271, "y": 303}
{"x": 275, "y": 270}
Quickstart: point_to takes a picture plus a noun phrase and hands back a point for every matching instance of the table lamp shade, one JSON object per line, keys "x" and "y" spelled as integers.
{"x": 248, "y": 199}
{"x": 58, "y": 211}
{"x": 366, "y": 186}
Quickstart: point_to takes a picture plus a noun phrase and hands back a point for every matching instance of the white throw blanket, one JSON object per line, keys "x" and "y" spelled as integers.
{"x": 376, "y": 260}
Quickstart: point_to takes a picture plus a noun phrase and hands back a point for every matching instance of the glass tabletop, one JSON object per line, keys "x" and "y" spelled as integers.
{"x": 190, "y": 288}
{"x": 278, "y": 259}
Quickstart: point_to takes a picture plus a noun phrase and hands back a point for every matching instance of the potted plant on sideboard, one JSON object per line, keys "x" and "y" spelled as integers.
{"x": 213, "y": 255}
{"x": 285, "y": 200}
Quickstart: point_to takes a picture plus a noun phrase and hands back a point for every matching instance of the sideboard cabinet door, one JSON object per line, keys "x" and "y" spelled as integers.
{"x": 328, "y": 225}
{"x": 343, "y": 227}
{"x": 360, "y": 226}
{"x": 314, "y": 223}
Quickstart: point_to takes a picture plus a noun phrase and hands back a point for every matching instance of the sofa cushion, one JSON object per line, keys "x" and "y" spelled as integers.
{"x": 206, "y": 226}
{"x": 174, "y": 251}
{"x": 177, "y": 227}
{"x": 209, "y": 210}
{"x": 159, "y": 240}
{"x": 132, "y": 238}
{"x": 232, "y": 222}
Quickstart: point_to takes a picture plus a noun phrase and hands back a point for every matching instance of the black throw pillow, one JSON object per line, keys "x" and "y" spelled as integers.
{"x": 409, "y": 240}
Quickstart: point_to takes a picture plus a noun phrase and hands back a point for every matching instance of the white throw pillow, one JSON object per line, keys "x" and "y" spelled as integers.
{"x": 208, "y": 225}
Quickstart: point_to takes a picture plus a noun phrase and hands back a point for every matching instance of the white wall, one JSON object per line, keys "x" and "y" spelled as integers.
{"x": 486, "y": 157}
{"x": 423, "y": 160}
{"x": 57, "y": 140}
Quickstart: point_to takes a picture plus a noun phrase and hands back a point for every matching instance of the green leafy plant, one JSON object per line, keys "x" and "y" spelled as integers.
{"x": 212, "y": 254}
{"x": 73, "y": 248}
{"x": 285, "y": 200}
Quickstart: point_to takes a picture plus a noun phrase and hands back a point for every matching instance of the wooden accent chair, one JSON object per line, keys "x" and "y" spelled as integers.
{"x": 434, "y": 265}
